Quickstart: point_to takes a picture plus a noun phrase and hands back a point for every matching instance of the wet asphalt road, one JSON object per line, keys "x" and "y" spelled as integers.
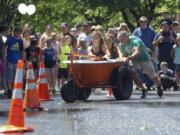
{"x": 102, "y": 116}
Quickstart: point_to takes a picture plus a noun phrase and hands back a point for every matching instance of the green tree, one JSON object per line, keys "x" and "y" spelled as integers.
{"x": 102, "y": 11}
{"x": 105, "y": 12}
{"x": 8, "y": 12}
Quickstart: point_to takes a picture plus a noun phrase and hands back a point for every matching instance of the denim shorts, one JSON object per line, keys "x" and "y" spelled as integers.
{"x": 10, "y": 72}
{"x": 177, "y": 67}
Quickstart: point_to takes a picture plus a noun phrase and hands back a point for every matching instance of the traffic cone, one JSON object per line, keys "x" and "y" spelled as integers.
{"x": 16, "y": 112}
{"x": 31, "y": 100}
{"x": 42, "y": 87}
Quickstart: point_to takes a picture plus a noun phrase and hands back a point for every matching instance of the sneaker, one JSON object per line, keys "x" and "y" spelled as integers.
{"x": 176, "y": 88}
{"x": 108, "y": 96}
{"x": 164, "y": 89}
{"x": 159, "y": 91}
{"x": 144, "y": 93}
{"x": 53, "y": 91}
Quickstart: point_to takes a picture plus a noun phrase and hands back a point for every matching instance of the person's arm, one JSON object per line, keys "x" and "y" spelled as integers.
{"x": 90, "y": 51}
{"x": 41, "y": 55}
{"x": 4, "y": 50}
{"x": 42, "y": 41}
{"x": 135, "y": 33}
{"x": 91, "y": 55}
{"x": 170, "y": 75}
{"x": 105, "y": 50}
{"x": 26, "y": 54}
{"x": 173, "y": 52}
{"x": 172, "y": 36}
{"x": 56, "y": 56}
{"x": 22, "y": 52}
{"x": 157, "y": 40}
{"x": 134, "y": 55}
{"x": 117, "y": 51}
{"x": 38, "y": 54}
{"x": 122, "y": 52}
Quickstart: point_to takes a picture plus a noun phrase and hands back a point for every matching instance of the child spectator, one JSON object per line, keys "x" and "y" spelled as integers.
{"x": 33, "y": 54}
{"x": 26, "y": 38}
{"x": 14, "y": 53}
{"x": 82, "y": 49}
{"x": 56, "y": 45}
{"x": 45, "y": 35}
{"x": 65, "y": 49}
{"x": 167, "y": 77}
{"x": 50, "y": 60}
{"x": 177, "y": 58}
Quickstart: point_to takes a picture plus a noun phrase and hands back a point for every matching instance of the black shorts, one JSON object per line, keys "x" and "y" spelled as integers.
{"x": 49, "y": 64}
{"x": 35, "y": 65}
{"x": 63, "y": 73}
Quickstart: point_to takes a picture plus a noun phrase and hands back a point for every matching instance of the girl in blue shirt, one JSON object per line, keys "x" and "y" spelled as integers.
{"x": 50, "y": 59}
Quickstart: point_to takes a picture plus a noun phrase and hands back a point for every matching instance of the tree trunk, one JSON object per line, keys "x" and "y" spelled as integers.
{"x": 126, "y": 19}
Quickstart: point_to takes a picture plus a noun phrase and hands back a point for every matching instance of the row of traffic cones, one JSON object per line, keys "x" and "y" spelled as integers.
{"x": 31, "y": 101}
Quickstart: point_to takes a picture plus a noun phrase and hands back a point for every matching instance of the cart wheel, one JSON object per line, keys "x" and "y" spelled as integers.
{"x": 84, "y": 93}
{"x": 69, "y": 92}
{"x": 124, "y": 84}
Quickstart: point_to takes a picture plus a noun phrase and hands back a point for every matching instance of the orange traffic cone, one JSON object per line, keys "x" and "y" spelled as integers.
{"x": 31, "y": 100}
{"x": 16, "y": 112}
{"x": 42, "y": 87}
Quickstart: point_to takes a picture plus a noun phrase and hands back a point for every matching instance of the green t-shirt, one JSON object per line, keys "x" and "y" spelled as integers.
{"x": 64, "y": 50}
{"x": 135, "y": 42}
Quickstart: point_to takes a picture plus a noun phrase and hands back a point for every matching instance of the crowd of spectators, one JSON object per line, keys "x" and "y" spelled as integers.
{"x": 153, "y": 56}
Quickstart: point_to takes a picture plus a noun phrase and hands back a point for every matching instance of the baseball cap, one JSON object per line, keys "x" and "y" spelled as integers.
{"x": 64, "y": 24}
{"x": 82, "y": 38}
{"x": 17, "y": 29}
{"x": 73, "y": 29}
{"x": 164, "y": 22}
{"x": 175, "y": 23}
{"x": 143, "y": 19}
{"x": 87, "y": 24}
{"x": 168, "y": 21}
{"x": 33, "y": 40}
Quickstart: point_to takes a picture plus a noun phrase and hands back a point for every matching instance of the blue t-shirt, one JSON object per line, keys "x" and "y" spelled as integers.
{"x": 165, "y": 47}
{"x": 146, "y": 35}
{"x": 49, "y": 54}
{"x": 169, "y": 73}
{"x": 14, "y": 49}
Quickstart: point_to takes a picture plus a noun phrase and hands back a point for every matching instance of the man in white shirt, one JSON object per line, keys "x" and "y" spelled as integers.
{"x": 87, "y": 34}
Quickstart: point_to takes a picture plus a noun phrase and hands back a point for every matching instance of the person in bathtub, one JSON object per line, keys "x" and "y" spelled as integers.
{"x": 98, "y": 50}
